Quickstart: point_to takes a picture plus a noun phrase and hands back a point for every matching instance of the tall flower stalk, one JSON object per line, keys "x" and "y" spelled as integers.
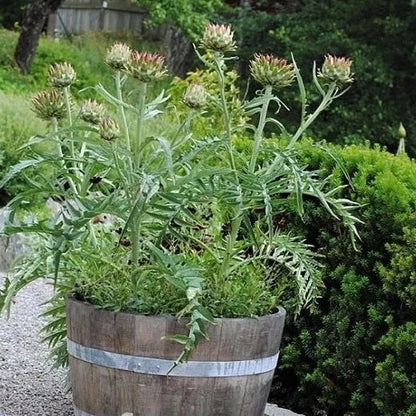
{"x": 145, "y": 67}
{"x": 119, "y": 94}
{"x": 118, "y": 59}
{"x": 54, "y": 129}
{"x": 51, "y": 106}
{"x": 141, "y": 107}
{"x": 335, "y": 74}
{"x": 271, "y": 73}
{"x": 218, "y": 40}
{"x": 62, "y": 76}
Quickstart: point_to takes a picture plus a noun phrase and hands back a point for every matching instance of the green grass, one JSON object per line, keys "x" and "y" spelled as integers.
{"x": 17, "y": 125}
{"x": 85, "y": 53}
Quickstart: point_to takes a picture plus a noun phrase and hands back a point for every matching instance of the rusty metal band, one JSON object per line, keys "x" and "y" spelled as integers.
{"x": 157, "y": 366}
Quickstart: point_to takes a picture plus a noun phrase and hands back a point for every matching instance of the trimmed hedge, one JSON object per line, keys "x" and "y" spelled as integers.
{"x": 356, "y": 354}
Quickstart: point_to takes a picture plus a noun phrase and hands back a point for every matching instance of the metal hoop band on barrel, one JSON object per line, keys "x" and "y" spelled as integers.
{"x": 157, "y": 366}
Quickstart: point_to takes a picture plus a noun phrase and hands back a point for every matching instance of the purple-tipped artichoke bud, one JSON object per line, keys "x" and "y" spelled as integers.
{"x": 48, "y": 105}
{"x": 336, "y": 71}
{"x": 92, "y": 111}
{"x": 146, "y": 67}
{"x": 271, "y": 71}
{"x": 62, "y": 75}
{"x": 195, "y": 96}
{"x": 118, "y": 56}
{"x": 109, "y": 129}
{"x": 218, "y": 38}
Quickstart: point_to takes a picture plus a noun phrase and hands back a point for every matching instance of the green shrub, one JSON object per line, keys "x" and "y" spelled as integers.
{"x": 395, "y": 375}
{"x": 400, "y": 278}
{"x": 344, "y": 358}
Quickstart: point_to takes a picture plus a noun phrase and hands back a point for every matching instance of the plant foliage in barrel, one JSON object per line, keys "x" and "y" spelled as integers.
{"x": 169, "y": 241}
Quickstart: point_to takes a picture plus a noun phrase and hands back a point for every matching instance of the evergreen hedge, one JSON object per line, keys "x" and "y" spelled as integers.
{"x": 356, "y": 354}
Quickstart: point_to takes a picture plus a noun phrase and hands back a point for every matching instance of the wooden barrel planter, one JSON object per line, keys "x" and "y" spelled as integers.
{"x": 119, "y": 361}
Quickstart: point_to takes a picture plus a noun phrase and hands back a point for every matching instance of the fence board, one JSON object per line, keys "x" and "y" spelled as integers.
{"x": 79, "y": 16}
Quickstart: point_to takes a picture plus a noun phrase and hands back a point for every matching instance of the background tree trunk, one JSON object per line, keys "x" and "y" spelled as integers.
{"x": 177, "y": 50}
{"x": 33, "y": 22}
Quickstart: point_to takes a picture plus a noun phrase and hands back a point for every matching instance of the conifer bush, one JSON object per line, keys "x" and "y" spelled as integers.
{"x": 356, "y": 353}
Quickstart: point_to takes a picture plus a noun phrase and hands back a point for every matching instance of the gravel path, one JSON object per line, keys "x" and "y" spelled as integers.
{"x": 27, "y": 385}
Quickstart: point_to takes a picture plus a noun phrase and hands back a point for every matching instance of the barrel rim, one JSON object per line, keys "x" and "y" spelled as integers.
{"x": 71, "y": 297}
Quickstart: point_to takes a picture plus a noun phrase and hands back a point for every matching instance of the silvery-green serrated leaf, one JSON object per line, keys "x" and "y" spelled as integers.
{"x": 179, "y": 283}
{"x": 21, "y": 166}
{"x": 113, "y": 100}
{"x": 151, "y": 114}
{"x": 180, "y": 339}
{"x": 206, "y": 314}
{"x": 165, "y": 145}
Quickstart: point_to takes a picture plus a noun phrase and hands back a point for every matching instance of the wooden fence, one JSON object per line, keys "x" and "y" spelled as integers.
{"x": 79, "y": 16}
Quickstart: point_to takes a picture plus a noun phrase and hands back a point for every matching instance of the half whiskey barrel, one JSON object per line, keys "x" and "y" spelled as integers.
{"x": 119, "y": 364}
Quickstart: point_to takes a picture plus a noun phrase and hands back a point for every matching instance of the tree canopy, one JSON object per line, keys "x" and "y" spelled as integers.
{"x": 189, "y": 15}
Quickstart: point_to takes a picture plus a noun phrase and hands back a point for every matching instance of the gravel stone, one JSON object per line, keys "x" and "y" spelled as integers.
{"x": 28, "y": 386}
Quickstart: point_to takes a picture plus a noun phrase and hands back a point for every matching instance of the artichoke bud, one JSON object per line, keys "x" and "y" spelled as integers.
{"x": 146, "y": 67}
{"x": 48, "y": 105}
{"x": 62, "y": 75}
{"x": 109, "y": 129}
{"x": 118, "y": 56}
{"x": 401, "y": 131}
{"x": 195, "y": 96}
{"x": 92, "y": 111}
{"x": 336, "y": 70}
{"x": 218, "y": 38}
{"x": 269, "y": 70}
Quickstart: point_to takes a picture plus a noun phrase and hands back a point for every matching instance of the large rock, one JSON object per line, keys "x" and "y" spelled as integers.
{"x": 14, "y": 246}
{"x": 10, "y": 247}
{"x": 273, "y": 410}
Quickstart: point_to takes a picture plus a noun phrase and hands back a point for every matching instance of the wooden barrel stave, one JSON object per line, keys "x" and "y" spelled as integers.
{"x": 102, "y": 391}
